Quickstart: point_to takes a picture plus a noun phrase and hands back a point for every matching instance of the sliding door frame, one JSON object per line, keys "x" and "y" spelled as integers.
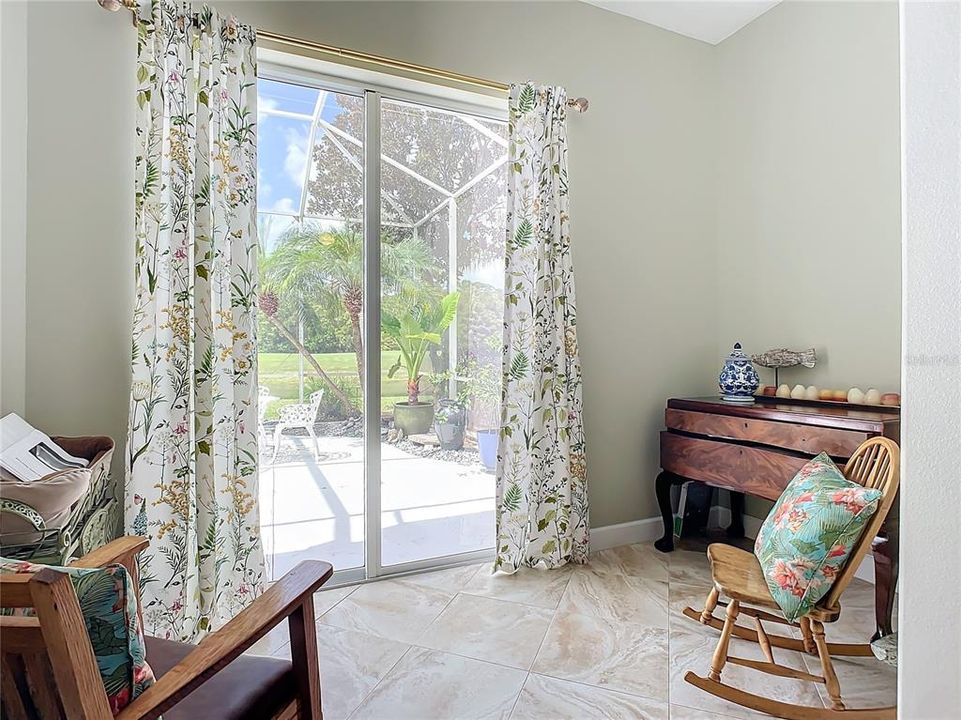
{"x": 372, "y": 301}
{"x": 373, "y": 94}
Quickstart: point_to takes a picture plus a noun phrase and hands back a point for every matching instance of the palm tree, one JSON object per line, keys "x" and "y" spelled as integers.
{"x": 269, "y": 305}
{"x": 321, "y": 267}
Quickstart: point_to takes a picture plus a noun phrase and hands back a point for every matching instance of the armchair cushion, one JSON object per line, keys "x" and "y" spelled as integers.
{"x": 249, "y": 688}
{"x": 809, "y": 534}
{"x": 108, "y": 603}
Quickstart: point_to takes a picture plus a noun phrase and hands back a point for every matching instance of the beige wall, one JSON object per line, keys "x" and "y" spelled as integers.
{"x": 808, "y": 205}
{"x": 808, "y": 193}
{"x": 13, "y": 231}
{"x": 79, "y": 218}
{"x": 644, "y": 188}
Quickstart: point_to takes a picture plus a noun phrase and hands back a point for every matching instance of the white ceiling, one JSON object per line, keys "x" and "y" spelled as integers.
{"x": 709, "y": 21}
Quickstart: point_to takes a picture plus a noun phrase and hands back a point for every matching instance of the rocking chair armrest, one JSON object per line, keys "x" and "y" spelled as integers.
{"x": 221, "y": 647}
{"x": 122, "y": 551}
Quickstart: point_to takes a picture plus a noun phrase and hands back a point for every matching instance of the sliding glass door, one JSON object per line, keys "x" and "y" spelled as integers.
{"x": 381, "y": 218}
{"x": 312, "y": 273}
{"x": 442, "y": 207}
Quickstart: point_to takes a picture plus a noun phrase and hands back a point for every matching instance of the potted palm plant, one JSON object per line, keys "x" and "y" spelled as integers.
{"x": 414, "y": 332}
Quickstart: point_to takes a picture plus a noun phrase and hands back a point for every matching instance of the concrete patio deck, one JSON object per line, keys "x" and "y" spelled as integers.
{"x": 315, "y": 508}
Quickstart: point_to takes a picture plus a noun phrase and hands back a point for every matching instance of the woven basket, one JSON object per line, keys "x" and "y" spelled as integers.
{"x": 91, "y": 520}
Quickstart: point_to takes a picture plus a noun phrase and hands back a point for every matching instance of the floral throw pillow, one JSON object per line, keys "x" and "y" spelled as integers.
{"x": 810, "y": 532}
{"x": 108, "y": 604}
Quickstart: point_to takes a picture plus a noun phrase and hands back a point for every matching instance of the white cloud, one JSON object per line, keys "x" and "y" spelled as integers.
{"x": 284, "y": 205}
{"x": 264, "y": 190}
{"x": 295, "y": 162}
{"x": 264, "y": 105}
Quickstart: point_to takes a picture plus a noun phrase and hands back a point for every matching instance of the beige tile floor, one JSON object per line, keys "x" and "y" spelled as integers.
{"x": 605, "y": 640}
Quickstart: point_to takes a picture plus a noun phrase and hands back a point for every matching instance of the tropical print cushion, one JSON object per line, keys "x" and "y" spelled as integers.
{"x": 108, "y": 603}
{"x": 810, "y": 532}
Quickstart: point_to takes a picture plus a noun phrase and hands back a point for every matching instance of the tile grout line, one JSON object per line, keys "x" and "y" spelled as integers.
{"x": 352, "y": 588}
{"x": 378, "y": 683}
{"x": 466, "y": 657}
{"x": 410, "y": 646}
{"x": 456, "y": 594}
{"x": 670, "y": 635}
{"x": 540, "y": 646}
{"x": 518, "y": 696}
{"x": 614, "y": 691}
{"x": 586, "y": 684}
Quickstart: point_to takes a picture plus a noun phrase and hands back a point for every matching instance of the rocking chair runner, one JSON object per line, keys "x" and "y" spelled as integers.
{"x": 738, "y": 575}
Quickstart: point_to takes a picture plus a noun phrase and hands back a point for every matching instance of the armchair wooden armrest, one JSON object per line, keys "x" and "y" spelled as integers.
{"x": 122, "y": 551}
{"x": 291, "y": 597}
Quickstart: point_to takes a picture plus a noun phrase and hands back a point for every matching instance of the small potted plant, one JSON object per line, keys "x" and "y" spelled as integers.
{"x": 450, "y": 419}
{"x": 414, "y": 332}
{"x": 450, "y": 414}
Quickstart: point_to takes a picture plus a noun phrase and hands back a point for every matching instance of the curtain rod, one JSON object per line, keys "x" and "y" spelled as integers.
{"x": 580, "y": 104}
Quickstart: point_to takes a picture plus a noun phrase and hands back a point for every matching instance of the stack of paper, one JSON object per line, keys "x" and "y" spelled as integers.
{"x": 28, "y": 454}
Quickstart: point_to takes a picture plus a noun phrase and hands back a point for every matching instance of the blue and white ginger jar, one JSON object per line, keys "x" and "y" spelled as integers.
{"x": 738, "y": 380}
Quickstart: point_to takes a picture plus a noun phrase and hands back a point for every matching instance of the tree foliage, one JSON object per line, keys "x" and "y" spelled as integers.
{"x": 320, "y": 273}
{"x": 444, "y": 149}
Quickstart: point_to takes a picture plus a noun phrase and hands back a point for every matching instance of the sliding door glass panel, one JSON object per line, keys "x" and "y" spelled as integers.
{"x": 442, "y": 257}
{"x": 310, "y": 210}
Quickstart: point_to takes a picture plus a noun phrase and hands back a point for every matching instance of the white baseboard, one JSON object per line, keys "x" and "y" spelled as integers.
{"x": 636, "y": 531}
{"x": 650, "y": 529}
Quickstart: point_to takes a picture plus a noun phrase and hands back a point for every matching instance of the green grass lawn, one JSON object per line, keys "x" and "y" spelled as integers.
{"x": 278, "y": 371}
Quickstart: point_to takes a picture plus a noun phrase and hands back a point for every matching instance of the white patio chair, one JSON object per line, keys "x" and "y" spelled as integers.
{"x": 263, "y": 397}
{"x": 301, "y": 415}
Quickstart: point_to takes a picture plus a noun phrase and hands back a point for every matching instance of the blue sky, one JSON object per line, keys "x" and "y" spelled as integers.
{"x": 282, "y": 143}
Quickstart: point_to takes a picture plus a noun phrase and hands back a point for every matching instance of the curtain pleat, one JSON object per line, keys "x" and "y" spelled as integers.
{"x": 191, "y": 482}
{"x": 542, "y": 504}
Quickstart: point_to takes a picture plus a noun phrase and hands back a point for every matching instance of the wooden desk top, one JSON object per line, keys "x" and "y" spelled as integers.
{"x": 868, "y": 418}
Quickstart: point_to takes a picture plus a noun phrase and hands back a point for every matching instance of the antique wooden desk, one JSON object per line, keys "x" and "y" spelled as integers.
{"x": 758, "y": 448}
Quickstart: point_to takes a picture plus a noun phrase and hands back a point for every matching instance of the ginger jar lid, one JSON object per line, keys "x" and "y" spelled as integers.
{"x": 737, "y": 356}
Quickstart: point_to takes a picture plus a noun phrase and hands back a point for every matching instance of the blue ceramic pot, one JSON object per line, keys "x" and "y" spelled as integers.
{"x": 487, "y": 441}
{"x": 738, "y": 380}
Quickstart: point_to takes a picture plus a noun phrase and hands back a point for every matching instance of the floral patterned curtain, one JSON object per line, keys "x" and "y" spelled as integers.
{"x": 191, "y": 481}
{"x": 542, "y": 507}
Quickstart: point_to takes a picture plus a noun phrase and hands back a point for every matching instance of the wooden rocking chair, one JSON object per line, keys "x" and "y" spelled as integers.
{"x": 738, "y": 575}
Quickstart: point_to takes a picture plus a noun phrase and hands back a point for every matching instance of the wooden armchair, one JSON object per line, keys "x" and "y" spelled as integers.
{"x": 738, "y": 576}
{"x": 49, "y": 671}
